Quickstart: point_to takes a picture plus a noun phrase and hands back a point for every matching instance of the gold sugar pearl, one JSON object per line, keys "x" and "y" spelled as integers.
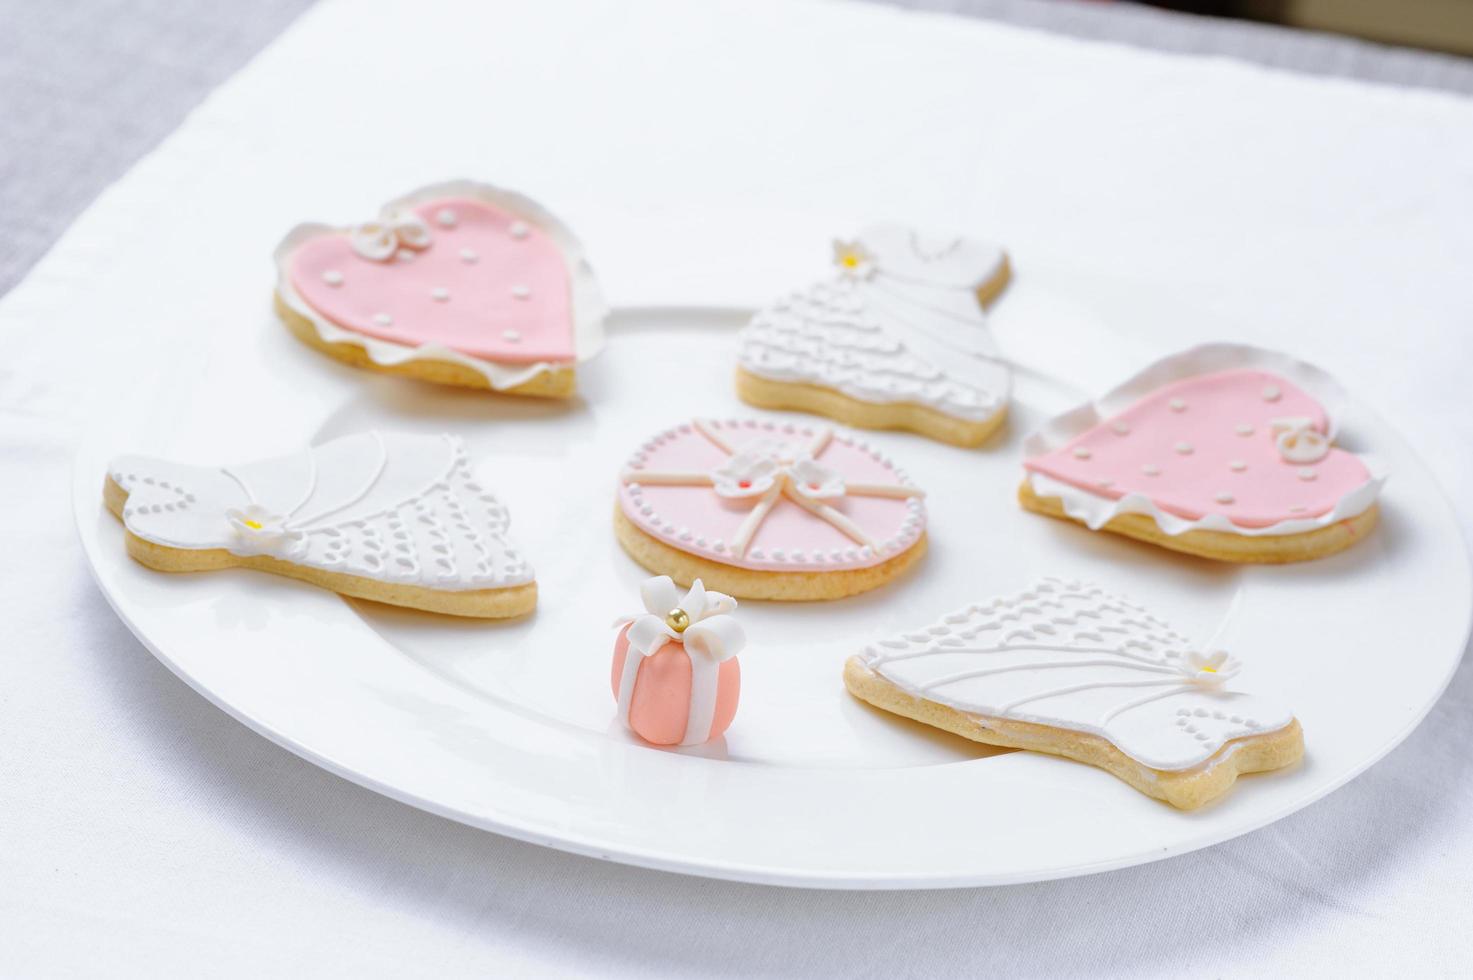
{"x": 677, "y": 619}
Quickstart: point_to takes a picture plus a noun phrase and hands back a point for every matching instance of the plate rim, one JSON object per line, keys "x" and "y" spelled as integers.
{"x": 87, "y": 502}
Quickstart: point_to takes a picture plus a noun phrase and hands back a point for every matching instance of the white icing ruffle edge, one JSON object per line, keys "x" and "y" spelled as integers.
{"x": 589, "y": 307}
{"x": 1095, "y": 511}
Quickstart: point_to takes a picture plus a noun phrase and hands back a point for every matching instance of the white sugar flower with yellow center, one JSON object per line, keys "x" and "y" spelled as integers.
{"x": 260, "y": 531}
{"x": 854, "y": 260}
{"x": 1209, "y": 669}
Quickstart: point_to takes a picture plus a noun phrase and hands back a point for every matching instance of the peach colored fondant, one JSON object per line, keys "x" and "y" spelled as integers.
{"x": 661, "y": 703}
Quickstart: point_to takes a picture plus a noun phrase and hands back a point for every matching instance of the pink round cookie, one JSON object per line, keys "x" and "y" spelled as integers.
{"x": 463, "y": 273}
{"x": 804, "y": 503}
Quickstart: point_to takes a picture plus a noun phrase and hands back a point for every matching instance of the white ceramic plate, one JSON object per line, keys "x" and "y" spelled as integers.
{"x": 510, "y": 726}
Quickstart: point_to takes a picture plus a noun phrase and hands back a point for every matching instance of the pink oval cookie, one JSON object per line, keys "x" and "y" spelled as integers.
{"x": 771, "y": 496}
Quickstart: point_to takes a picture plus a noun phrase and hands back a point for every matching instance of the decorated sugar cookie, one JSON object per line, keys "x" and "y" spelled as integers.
{"x": 896, "y": 339}
{"x": 769, "y": 510}
{"x": 1223, "y": 451}
{"x": 383, "y": 516}
{"x": 1071, "y": 670}
{"x": 458, "y": 283}
{"x": 675, "y": 676}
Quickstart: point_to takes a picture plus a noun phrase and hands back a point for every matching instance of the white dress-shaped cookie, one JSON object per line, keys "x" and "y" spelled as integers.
{"x": 385, "y": 516}
{"x": 1069, "y": 669}
{"x": 897, "y": 338}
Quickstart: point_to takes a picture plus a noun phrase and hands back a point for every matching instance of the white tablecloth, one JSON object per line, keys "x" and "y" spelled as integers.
{"x": 704, "y": 151}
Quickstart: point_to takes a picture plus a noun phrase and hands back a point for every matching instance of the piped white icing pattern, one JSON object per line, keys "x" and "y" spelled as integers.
{"x": 899, "y": 322}
{"x": 384, "y": 506}
{"x": 1069, "y": 655}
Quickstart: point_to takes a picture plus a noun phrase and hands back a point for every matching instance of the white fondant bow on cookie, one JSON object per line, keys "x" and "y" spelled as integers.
{"x": 755, "y": 471}
{"x": 1299, "y": 441}
{"x": 380, "y": 240}
{"x": 701, "y": 620}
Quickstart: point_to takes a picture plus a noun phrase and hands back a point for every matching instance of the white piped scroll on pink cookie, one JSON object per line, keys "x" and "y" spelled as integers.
{"x": 773, "y": 510}
{"x": 675, "y": 677}
{"x": 460, "y": 283}
{"x": 1224, "y": 451}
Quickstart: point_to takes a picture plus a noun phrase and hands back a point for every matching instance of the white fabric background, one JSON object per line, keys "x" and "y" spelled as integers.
{"x": 701, "y": 150}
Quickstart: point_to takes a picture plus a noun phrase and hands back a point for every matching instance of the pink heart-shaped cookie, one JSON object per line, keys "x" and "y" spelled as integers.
{"x": 1242, "y": 448}
{"x": 457, "y": 272}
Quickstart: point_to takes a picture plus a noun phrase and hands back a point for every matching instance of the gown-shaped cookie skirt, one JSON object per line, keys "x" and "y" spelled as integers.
{"x": 660, "y": 706}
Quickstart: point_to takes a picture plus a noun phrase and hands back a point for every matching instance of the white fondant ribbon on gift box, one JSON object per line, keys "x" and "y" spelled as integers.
{"x": 702, "y": 623}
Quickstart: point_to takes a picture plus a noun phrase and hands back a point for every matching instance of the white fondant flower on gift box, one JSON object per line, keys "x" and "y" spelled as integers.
{"x": 757, "y": 470}
{"x": 260, "y": 531}
{"x": 701, "y": 620}
{"x": 853, "y": 259}
{"x": 1209, "y": 669}
{"x": 382, "y": 239}
{"x": 1299, "y": 441}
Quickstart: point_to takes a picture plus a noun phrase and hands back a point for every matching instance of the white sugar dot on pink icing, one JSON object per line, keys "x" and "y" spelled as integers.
{"x": 1307, "y": 474}
{"x": 1081, "y": 453}
{"x": 446, "y": 218}
{"x": 1237, "y": 466}
{"x": 519, "y": 229}
{"x": 383, "y": 319}
{"x": 1184, "y": 448}
{"x": 440, "y": 294}
{"x": 1151, "y": 469}
{"x": 1272, "y": 393}
{"x": 1177, "y": 405}
{"x": 520, "y": 291}
{"x": 757, "y": 553}
{"x": 1223, "y": 497}
{"x": 468, "y": 255}
{"x": 1121, "y": 428}
{"x": 332, "y": 277}
{"x": 1244, "y": 429}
